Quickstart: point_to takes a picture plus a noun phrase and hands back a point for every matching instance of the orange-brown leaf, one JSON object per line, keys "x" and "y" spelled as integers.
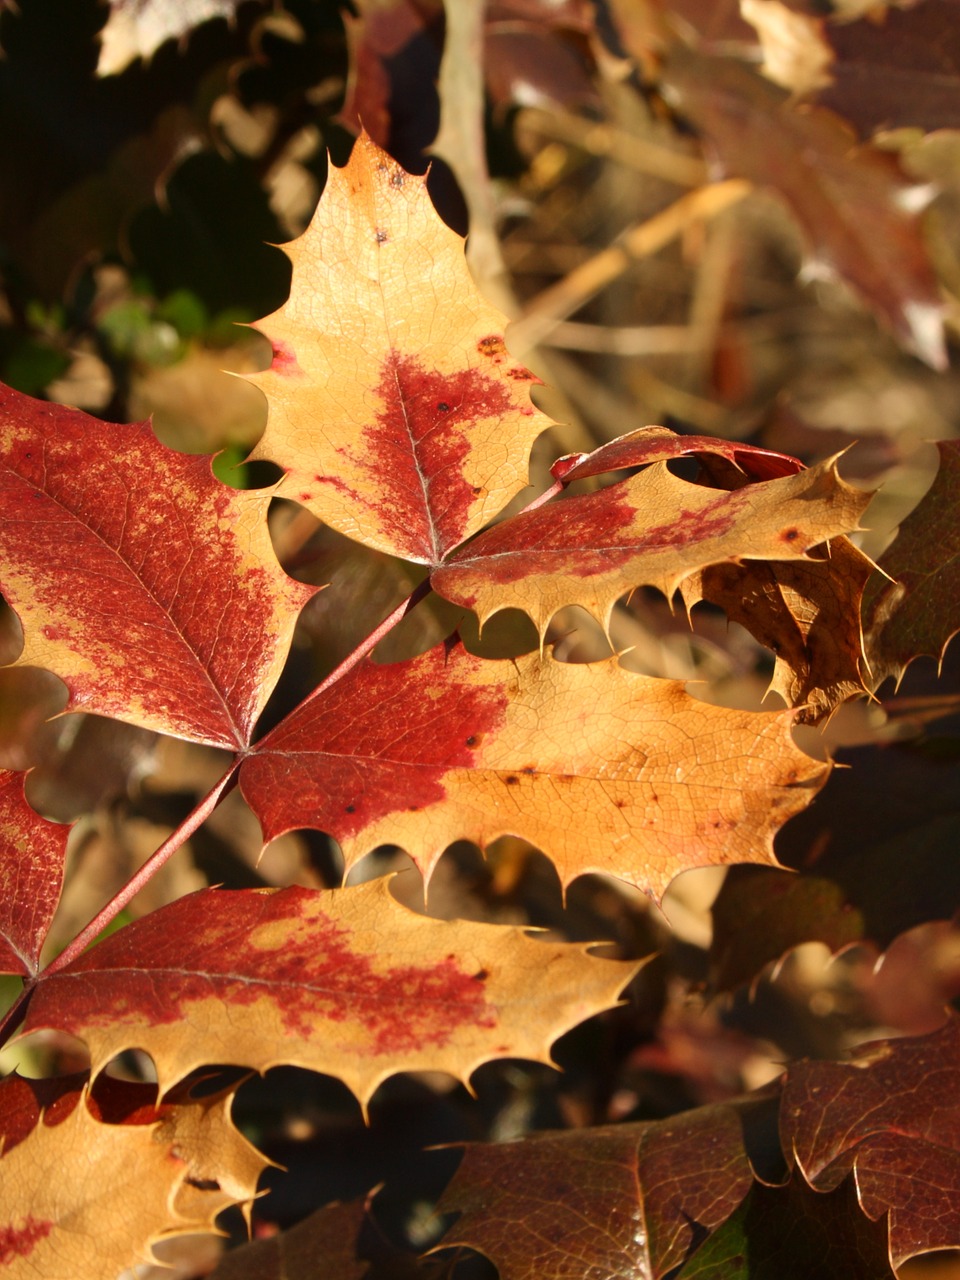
{"x": 602, "y": 769}
{"x": 343, "y": 981}
{"x": 396, "y": 410}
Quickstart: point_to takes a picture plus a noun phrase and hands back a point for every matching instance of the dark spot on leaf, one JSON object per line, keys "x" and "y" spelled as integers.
{"x": 519, "y": 374}
{"x": 443, "y": 407}
{"x": 382, "y": 236}
{"x": 791, "y": 534}
{"x": 511, "y": 780}
{"x": 528, "y": 769}
{"x": 492, "y": 345}
{"x": 481, "y": 975}
{"x": 350, "y": 808}
{"x": 472, "y": 740}
{"x": 397, "y": 178}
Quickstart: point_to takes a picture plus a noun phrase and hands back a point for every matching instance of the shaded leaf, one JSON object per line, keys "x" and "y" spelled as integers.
{"x": 856, "y": 207}
{"x": 146, "y": 585}
{"x": 652, "y": 529}
{"x": 32, "y": 851}
{"x": 877, "y": 849}
{"x": 892, "y": 1115}
{"x": 70, "y": 1206}
{"x": 396, "y": 411}
{"x": 321, "y": 1246}
{"x": 807, "y": 612}
{"x": 626, "y": 1200}
{"x": 919, "y": 611}
{"x": 897, "y": 68}
{"x": 342, "y": 981}
{"x": 792, "y": 1233}
{"x": 602, "y": 769}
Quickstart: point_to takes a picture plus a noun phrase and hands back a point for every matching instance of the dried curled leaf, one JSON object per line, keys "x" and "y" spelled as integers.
{"x": 32, "y": 852}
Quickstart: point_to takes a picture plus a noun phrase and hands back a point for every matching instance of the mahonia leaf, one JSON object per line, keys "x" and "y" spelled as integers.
{"x": 656, "y": 444}
{"x": 32, "y": 852}
{"x": 322, "y": 1245}
{"x": 627, "y": 1200}
{"x": 807, "y": 612}
{"x": 918, "y": 612}
{"x": 602, "y": 769}
{"x": 148, "y": 586}
{"x": 88, "y": 1198}
{"x": 652, "y": 529}
{"x": 397, "y": 413}
{"x": 343, "y": 981}
{"x": 792, "y": 1233}
{"x": 857, "y": 208}
{"x": 892, "y": 1116}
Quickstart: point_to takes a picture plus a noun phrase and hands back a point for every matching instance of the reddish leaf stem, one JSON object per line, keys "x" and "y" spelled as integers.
{"x": 149, "y": 869}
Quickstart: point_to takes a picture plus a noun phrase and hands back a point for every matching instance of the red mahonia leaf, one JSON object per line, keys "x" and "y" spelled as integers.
{"x": 396, "y": 411}
{"x": 343, "y": 981}
{"x": 652, "y": 529}
{"x": 601, "y": 769}
{"x": 626, "y": 1201}
{"x": 146, "y": 585}
{"x": 892, "y": 1115}
{"x": 32, "y": 851}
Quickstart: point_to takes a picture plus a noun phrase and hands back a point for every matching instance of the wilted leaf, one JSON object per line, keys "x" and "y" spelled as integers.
{"x": 146, "y": 585}
{"x": 652, "y": 529}
{"x": 602, "y": 769}
{"x": 396, "y": 411}
{"x": 807, "y": 612}
{"x": 856, "y": 207}
{"x": 919, "y": 611}
{"x": 32, "y": 851}
{"x": 793, "y": 1233}
{"x": 71, "y": 1206}
{"x": 892, "y": 1115}
{"x": 625, "y": 1201}
{"x": 342, "y": 981}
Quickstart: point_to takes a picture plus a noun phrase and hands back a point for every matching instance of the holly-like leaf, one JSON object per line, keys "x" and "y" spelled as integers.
{"x": 656, "y": 444}
{"x": 343, "y": 981}
{"x": 807, "y": 612}
{"x": 893, "y": 1116}
{"x": 148, "y": 586}
{"x": 322, "y": 1245}
{"x": 396, "y": 411}
{"x": 81, "y": 1197}
{"x": 32, "y": 852}
{"x": 652, "y": 529}
{"x": 792, "y": 1233}
{"x": 626, "y": 1200}
{"x": 602, "y": 769}
{"x": 918, "y": 612}
{"x": 856, "y": 207}
{"x": 137, "y": 28}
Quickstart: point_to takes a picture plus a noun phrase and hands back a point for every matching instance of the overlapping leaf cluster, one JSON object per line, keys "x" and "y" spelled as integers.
{"x": 399, "y": 417}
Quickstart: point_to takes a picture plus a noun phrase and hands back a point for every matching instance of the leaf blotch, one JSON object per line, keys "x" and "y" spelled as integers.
{"x": 19, "y": 1242}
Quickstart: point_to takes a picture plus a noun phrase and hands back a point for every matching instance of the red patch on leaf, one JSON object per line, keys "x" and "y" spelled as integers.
{"x": 216, "y": 944}
{"x": 380, "y": 741}
{"x": 284, "y": 359}
{"x": 19, "y": 1242}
